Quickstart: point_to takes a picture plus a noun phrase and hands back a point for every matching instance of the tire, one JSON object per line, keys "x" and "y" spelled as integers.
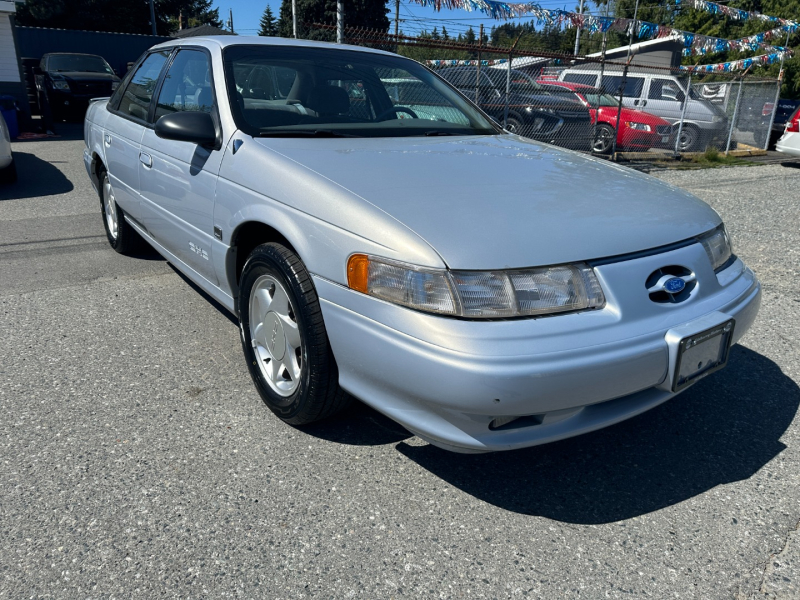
{"x": 290, "y": 361}
{"x": 122, "y": 237}
{"x": 514, "y": 125}
{"x": 9, "y": 173}
{"x": 689, "y": 140}
{"x": 603, "y": 139}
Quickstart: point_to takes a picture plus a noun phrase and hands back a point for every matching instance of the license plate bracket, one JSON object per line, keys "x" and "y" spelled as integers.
{"x": 701, "y": 354}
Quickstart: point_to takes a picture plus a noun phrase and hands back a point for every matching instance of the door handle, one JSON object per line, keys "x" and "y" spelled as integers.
{"x": 107, "y": 139}
{"x": 644, "y": 102}
{"x": 146, "y": 159}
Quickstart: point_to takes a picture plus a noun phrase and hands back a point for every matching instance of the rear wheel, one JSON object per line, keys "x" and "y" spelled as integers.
{"x": 122, "y": 237}
{"x": 284, "y": 338}
{"x": 9, "y": 173}
{"x": 603, "y": 139}
{"x": 514, "y": 125}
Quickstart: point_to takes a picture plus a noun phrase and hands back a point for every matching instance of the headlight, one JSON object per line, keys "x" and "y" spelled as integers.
{"x": 718, "y": 247}
{"x": 637, "y": 126}
{"x": 60, "y": 84}
{"x": 477, "y": 294}
{"x": 717, "y": 119}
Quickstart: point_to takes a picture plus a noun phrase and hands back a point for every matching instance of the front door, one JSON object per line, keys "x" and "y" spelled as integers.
{"x": 178, "y": 179}
{"x": 122, "y": 135}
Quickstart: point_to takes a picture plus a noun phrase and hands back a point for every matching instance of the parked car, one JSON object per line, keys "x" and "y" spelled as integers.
{"x": 8, "y": 169}
{"x": 486, "y": 291}
{"x": 789, "y": 143}
{"x": 532, "y": 112}
{"x": 786, "y": 108}
{"x": 664, "y": 96}
{"x": 65, "y": 82}
{"x": 638, "y": 130}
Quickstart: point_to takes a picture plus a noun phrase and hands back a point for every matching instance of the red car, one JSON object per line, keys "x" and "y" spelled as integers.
{"x": 638, "y": 130}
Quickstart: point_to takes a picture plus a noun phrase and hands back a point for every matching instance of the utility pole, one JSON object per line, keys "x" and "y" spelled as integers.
{"x": 396, "y": 18}
{"x": 152, "y": 17}
{"x": 230, "y": 21}
{"x": 294, "y": 18}
{"x": 578, "y": 32}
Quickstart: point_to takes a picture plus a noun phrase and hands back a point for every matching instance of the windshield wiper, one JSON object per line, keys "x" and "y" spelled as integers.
{"x": 320, "y": 133}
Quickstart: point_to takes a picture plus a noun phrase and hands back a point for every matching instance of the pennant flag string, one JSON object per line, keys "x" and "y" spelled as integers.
{"x": 694, "y": 44}
{"x": 736, "y": 65}
{"x": 736, "y": 14}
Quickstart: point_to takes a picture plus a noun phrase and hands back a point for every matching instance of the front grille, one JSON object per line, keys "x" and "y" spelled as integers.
{"x": 664, "y": 129}
{"x": 661, "y": 296}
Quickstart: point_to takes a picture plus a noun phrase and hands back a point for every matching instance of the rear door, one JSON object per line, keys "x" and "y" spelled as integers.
{"x": 179, "y": 179}
{"x": 124, "y": 128}
{"x": 632, "y": 93}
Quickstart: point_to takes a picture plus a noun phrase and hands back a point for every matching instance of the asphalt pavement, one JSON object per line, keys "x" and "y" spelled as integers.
{"x": 137, "y": 460}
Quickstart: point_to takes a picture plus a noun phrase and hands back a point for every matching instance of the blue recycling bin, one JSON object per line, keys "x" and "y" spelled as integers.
{"x": 8, "y": 107}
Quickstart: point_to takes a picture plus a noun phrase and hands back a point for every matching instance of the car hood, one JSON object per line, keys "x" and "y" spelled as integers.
{"x": 491, "y": 202}
{"x": 85, "y": 76}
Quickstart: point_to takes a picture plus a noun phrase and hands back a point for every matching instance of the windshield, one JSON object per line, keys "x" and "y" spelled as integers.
{"x": 78, "y": 63}
{"x": 325, "y": 92}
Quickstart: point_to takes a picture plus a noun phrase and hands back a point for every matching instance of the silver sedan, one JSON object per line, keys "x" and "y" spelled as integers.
{"x": 378, "y": 236}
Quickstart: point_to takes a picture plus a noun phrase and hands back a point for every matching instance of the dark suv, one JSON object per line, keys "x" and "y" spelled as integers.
{"x": 66, "y": 82}
{"x": 533, "y": 111}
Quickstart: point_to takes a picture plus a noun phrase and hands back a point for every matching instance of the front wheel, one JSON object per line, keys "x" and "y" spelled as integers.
{"x": 689, "y": 140}
{"x": 284, "y": 338}
{"x": 603, "y": 139}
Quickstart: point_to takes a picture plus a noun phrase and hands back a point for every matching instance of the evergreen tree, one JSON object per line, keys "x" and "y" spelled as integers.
{"x": 369, "y": 14}
{"x": 269, "y": 25}
{"x": 121, "y": 16}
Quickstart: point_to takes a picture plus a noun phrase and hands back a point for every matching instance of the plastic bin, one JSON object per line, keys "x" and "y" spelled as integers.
{"x": 8, "y": 107}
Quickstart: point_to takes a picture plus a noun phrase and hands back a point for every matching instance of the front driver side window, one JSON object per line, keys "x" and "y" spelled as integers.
{"x": 137, "y": 96}
{"x": 187, "y": 85}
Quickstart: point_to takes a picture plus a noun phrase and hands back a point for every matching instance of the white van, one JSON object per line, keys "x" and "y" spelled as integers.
{"x": 662, "y": 95}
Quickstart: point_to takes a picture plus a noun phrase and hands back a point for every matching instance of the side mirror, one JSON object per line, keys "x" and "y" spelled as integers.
{"x": 193, "y": 127}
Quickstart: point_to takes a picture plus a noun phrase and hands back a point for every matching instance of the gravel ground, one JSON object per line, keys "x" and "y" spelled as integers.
{"x": 137, "y": 461}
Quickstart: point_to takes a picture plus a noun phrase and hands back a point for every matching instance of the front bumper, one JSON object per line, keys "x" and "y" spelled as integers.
{"x": 446, "y": 380}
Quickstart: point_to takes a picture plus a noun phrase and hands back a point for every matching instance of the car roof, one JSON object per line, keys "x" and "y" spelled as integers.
{"x": 224, "y": 41}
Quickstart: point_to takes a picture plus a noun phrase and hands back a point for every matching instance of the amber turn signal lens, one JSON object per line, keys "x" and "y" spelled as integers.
{"x": 358, "y": 272}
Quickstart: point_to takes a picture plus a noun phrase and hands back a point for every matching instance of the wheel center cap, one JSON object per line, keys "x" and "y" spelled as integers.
{"x": 276, "y": 339}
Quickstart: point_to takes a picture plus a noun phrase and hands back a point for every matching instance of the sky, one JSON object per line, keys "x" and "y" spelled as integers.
{"x": 413, "y": 17}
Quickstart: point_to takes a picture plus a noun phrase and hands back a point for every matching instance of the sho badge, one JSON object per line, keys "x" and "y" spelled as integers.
{"x": 198, "y": 250}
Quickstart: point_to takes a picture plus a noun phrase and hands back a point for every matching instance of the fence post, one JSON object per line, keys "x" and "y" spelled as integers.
{"x": 339, "y": 22}
{"x": 683, "y": 114}
{"x": 294, "y": 18}
{"x": 624, "y": 83}
{"x": 735, "y": 114}
{"x": 478, "y": 70}
{"x": 777, "y": 95}
{"x": 508, "y": 79}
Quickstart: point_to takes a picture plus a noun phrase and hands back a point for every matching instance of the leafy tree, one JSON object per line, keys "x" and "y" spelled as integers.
{"x": 269, "y": 24}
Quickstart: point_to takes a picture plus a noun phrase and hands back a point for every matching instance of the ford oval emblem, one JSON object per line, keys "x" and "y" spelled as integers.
{"x": 674, "y": 286}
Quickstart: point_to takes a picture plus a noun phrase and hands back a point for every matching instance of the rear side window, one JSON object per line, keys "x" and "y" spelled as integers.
{"x": 582, "y": 78}
{"x": 139, "y": 92}
{"x": 187, "y": 85}
{"x": 633, "y": 85}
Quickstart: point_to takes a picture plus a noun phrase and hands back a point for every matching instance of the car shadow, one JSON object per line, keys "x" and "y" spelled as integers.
{"x": 358, "y": 425}
{"x": 724, "y": 429}
{"x": 35, "y": 177}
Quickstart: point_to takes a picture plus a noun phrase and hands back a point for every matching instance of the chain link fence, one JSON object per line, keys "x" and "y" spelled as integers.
{"x": 585, "y": 103}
